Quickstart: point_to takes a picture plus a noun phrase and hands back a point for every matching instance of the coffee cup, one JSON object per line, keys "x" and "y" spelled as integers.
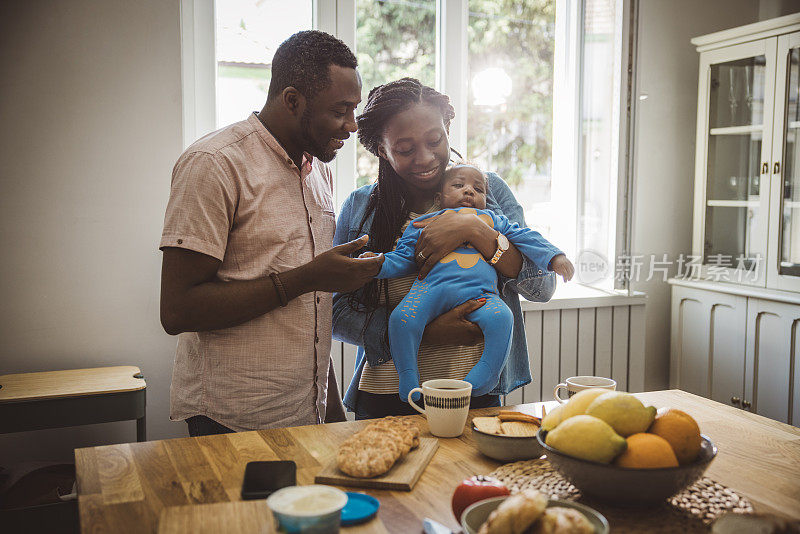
{"x": 575, "y": 384}
{"x": 446, "y": 405}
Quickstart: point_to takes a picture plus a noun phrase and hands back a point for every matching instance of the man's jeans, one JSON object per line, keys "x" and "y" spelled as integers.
{"x": 200, "y": 425}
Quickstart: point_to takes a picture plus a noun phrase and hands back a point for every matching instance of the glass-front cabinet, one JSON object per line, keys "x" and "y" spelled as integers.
{"x": 747, "y": 181}
{"x": 735, "y": 324}
{"x": 783, "y": 272}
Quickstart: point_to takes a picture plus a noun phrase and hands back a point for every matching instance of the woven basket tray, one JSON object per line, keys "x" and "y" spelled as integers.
{"x": 691, "y": 510}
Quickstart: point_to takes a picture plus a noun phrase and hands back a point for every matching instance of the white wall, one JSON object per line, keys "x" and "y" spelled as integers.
{"x": 665, "y": 145}
{"x": 770, "y": 9}
{"x": 90, "y": 104}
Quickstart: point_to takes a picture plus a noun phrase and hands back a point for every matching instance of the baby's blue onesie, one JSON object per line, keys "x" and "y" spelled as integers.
{"x": 460, "y": 276}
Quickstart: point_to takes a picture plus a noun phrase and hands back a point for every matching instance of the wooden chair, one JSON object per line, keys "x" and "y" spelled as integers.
{"x": 55, "y": 399}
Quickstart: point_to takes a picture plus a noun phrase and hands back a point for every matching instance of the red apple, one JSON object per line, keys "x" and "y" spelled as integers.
{"x": 476, "y": 489}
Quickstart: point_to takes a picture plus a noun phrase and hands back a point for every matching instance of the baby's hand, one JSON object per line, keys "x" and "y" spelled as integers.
{"x": 561, "y": 265}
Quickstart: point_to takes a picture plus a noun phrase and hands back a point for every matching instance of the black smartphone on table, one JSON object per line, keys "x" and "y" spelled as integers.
{"x": 261, "y": 479}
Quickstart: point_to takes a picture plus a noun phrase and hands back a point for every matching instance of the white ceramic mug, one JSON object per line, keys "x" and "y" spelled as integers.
{"x": 446, "y": 405}
{"x": 575, "y": 384}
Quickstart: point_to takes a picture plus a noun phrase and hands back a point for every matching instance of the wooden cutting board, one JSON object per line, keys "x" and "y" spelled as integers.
{"x": 402, "y": 476}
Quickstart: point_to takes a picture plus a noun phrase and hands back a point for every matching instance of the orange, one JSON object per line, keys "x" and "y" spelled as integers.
{"x": 647, "y": 451}
{"x": 680, "y": 430}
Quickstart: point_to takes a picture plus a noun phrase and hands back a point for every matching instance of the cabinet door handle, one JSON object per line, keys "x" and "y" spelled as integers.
{"x": 745, "y": 404}
{"x": 765, "y": 168}
{"x": 777, "y": 168}
{"x": 735, "y": 401}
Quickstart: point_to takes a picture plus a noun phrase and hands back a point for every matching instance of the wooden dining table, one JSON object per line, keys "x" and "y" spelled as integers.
{"x": 194, "y": 484}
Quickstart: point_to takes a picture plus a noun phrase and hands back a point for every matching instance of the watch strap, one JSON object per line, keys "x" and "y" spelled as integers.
{"x": 499, "y": 252}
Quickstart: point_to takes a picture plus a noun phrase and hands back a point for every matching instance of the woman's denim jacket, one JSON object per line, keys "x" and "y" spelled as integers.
{"x": 534, "y": 283}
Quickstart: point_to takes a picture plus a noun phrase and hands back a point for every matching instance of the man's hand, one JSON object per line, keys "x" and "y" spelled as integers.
{"x": 194, "y": 300}
{"x": 561, "y": 265}
{"x": 336, "y": 271}
{"x": 452, "y": 328}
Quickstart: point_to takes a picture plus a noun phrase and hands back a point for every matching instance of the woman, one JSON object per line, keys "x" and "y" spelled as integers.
{"x": 405, "y": 124}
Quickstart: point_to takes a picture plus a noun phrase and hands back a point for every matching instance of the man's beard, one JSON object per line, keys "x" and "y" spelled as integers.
{"x": 320, "y": 152}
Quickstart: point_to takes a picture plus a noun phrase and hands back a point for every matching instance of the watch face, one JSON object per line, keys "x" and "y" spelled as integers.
{"x": 502, "y": 241}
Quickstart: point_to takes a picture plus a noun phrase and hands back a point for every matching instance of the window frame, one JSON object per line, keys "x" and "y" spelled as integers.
{"x": 198, "y": 69}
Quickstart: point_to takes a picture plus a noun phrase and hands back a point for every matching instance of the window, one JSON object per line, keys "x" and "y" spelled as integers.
{"x": 598, "y": 167}
{"x": 510, "y": 99}
{"x": 394, "y": 38}
{"x": 539, "y": 88}
{"x": 248, "y": 33}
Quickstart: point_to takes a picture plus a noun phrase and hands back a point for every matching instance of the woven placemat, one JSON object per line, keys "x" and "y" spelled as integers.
{"x": 691, "y": 510}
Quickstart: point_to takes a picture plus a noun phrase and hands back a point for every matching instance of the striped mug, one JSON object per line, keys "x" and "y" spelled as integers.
{"x": 446, "y": 405}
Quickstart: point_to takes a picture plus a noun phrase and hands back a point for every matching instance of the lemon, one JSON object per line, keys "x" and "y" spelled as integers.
{"x": 553, "y": 417}
{"x": 586, "y": 437}
{"x": 625, "y": 413}
{"x": 580, "y": 401}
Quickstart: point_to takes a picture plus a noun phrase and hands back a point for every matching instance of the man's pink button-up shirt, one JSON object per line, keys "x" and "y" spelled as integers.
{"x": 238, "y": 197}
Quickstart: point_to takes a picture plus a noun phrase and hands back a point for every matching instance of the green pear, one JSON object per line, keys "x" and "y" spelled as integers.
{"x": 625, "y": 413}
{"x": 588, "y": 438}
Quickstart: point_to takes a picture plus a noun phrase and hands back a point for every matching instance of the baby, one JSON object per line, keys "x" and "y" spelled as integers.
{"x": 462, "y": 275}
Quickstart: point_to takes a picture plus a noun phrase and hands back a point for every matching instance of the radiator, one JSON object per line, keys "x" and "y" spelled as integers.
{"x": 602, "y": 341}
{"x": 565, "y": 338}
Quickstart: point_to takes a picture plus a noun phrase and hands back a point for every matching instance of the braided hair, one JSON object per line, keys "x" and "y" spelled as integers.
{"x": 388, "y": 199}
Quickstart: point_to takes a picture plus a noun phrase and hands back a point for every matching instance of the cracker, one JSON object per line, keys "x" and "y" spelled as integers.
{"x": 368, "y": 454}
{"x": 489, "y": 425}
{"x": 375, "y": 449}
{"x": 378, "y": 433}
{"x": 364, "y": 462}
{"x": 519, "y": 416}
{"x": 408, "y": 424}
{"x": 408, "y": 431}
{"x": 519, "y": 428}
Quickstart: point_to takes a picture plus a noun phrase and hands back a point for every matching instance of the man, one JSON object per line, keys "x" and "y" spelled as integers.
{"x": 247, "y": 271}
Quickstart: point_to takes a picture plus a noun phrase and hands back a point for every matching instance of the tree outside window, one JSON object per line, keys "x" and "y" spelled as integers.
{"x": 514, "y": 39}
{"x": 397, "y": 38}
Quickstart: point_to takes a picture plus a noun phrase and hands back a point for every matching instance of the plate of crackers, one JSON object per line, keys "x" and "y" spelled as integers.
{"x": 508, "y": 436}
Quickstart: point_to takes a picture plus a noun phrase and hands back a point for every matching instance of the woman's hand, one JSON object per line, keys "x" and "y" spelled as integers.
{"x": 446, "y": 232}
{"x": 561, "y": 265}
{"x": 441, "y": 235}
{"x": 452, "y": 328}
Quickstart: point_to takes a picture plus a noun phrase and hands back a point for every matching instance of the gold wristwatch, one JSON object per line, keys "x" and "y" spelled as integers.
{"x": 502, "y": 246}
